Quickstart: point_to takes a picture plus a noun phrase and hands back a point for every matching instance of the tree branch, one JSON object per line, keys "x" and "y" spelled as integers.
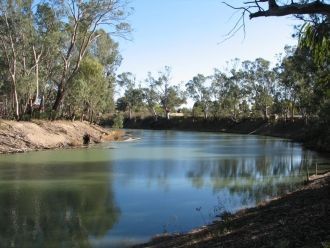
{"x": 316, "y": 7}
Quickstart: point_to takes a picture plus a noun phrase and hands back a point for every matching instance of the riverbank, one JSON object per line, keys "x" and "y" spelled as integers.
{"x": 39, "y": 135}
{"x": 312, "y": 136}
{"x": 298, "y": 219}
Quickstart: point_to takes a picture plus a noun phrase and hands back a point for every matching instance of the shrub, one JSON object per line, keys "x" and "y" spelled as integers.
{"x": 118, "y": 121}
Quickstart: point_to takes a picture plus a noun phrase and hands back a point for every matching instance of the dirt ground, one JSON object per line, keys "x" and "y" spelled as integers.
{"x": 298, "y": 219}
{"x": 37, "y": 135}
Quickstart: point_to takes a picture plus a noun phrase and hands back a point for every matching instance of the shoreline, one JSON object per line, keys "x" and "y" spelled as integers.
{"x": 297, "y": 219}
{"x": 37, "y": 135}
{"x": 296, "y": 131}
{"x": 308, "y": 207}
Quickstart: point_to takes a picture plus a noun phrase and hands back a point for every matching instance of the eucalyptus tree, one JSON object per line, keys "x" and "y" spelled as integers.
{"x": 106, "y": 51}
{"x": 228, "y": 91}
{"x": 237, "y": 93}
{"x": 307, "y": 80}
{"x": 15, "y": 19}
{"x": 89, "y": 93}
{"x": 81, "y": 22}
{"x": 151, "y": 99}
{"x": 169, "y": 96}
{"x": 262, "y": 84}
{"x": 219, "y": 91}
{"x": 288, "y": 79}
{"x": 315, "y": 43}
{"x": 23, "y": 45}
{"x": 133, "y": 95}
{"x": 200, "y": 91}
{"x": 49, "y": 35}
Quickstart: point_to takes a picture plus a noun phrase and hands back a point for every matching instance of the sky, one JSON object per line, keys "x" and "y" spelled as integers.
{"x": 188, "y": 36}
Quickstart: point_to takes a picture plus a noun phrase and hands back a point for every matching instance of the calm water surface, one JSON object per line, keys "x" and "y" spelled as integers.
{"x": 112, "y": 195}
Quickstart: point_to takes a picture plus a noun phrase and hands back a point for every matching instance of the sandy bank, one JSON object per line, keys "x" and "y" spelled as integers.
{"x": 36, "y": 135}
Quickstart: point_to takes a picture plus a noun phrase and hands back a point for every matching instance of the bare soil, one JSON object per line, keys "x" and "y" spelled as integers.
{"x": 37, "y": 135}
{"x": 298, "y": 219}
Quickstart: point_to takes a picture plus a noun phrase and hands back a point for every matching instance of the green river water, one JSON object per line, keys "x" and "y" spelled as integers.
{"x": 118, "y": 194}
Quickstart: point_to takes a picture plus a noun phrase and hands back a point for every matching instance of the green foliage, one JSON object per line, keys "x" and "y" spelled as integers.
{"x": 133, "y": 96}
{"x": 43, "y": 46}
{"x": 90, "y": 89}
{"x": 198, "y": 109}
{"x": 200, "y": 92}
{"x": 316, "y": 37}
{"x": 169, "y": 96}
{"x": 118, "y": 121}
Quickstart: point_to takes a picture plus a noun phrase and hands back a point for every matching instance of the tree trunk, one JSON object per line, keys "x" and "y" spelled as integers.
{"x": 37, "y": 82}
{"x": 57, "y": 103}
{"x": 154, "y": 114}
{"x": 266, "y": 113}
{"x": 16, "y": 103}
{"x": 205, "y": 115}
{"x": 292, "y": 111}
{"x": 91, "y": 116}
{"x": 167, "y": 115}
{"x": 36, "y": 61}
{"x": 42, "y": 104}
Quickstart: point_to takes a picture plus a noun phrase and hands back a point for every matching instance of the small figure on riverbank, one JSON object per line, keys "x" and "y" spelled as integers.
{"x": 86, "y": 139}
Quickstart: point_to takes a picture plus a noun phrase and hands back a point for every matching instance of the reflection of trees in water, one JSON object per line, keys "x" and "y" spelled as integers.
{"x": 250, "y": 179}
{"x": 57, "y": 213}
{"x": 154, "y": 173}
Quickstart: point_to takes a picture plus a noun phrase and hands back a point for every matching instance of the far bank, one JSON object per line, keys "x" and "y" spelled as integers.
{"x": 313, "y": 136}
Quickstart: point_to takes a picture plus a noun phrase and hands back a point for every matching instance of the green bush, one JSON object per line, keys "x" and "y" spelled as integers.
{"x": 118, "y": 121}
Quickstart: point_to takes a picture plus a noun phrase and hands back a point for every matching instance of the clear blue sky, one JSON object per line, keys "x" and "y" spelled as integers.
{"x": 185, "y": 35}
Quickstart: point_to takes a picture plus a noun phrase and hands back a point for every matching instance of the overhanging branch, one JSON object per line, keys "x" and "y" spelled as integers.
{"x": 316, "y": 7}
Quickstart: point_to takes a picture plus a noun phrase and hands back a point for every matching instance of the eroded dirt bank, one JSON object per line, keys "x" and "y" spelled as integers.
{"x": 298, "y": 219}
{"x": 36, "y": 135}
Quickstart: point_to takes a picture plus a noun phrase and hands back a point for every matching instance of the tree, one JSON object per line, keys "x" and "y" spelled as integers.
{"x": 315, "y": 36}
{"x": 228, "y": 90}
{"x": 133, "y": 96}
{"x": 170, "y": 96}
{"x": 89, "y": 93}
{"x": 261, "y": 86}
{"x": 306, "y": 81}
{"x": 151, "y": 98}
{"x": 200, "y": 92}
{"x": 219, "y": 92}
{"x": 15, "y": 20}
{"x": 121, "y": 104}
{"x": 81, "y": 21}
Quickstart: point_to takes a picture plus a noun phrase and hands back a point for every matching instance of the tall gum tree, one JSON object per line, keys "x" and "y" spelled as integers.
{"x": 200, "y": 92}
{"x": 13, "y": 18}
{"x": 133, "y": 96}
{"x": 169, "y": 96}
{"x": 82, "y": 19}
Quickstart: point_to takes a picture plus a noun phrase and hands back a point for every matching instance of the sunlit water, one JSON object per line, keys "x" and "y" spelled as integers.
{"x": 116, "y": 194}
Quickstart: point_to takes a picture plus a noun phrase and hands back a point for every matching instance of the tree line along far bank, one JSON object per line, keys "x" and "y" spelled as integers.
{"x": 58, "y": 62}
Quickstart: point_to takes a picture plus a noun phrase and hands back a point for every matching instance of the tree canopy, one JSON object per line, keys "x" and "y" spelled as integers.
{"x": 44, "y": 44}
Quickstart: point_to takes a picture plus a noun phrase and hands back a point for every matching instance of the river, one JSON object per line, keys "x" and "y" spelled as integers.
{"x": 117, "y": 194}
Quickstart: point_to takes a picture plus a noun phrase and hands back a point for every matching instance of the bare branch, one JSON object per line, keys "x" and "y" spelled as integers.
{"x": 316, "y": 7}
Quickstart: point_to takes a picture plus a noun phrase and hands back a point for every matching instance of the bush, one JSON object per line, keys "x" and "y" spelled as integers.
{"x": 118, "y": 121}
